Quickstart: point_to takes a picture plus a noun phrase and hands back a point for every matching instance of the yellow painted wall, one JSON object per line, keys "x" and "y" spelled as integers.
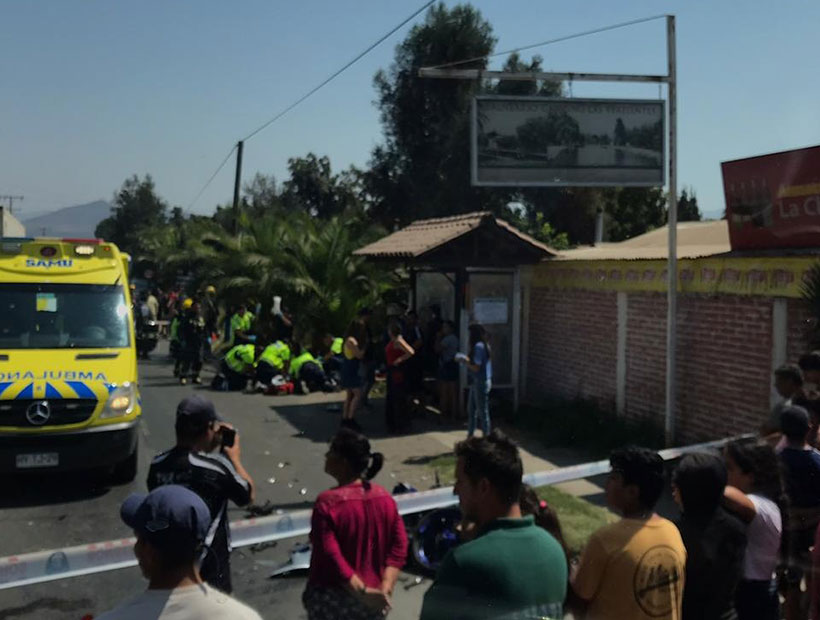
{"x": 768, "y": 277}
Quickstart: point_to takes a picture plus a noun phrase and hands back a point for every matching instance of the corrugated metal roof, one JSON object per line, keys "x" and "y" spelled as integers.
{"x": 423, "y": 236}
{"x": 695, "y": 240}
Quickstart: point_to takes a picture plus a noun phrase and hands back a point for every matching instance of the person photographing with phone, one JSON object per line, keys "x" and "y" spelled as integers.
{"x": 206, "y": 459}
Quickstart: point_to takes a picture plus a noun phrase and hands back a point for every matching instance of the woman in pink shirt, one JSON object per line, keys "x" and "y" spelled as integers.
{"x": 358, "y": 538}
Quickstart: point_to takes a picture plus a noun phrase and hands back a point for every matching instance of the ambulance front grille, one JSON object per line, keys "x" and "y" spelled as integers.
{"x": 62, "y": 411}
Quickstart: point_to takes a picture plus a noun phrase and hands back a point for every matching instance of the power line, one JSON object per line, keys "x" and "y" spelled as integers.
{"x": 337, "y": 73}
{"x": 213, "y": 176}
{"x": 551, "y": 41}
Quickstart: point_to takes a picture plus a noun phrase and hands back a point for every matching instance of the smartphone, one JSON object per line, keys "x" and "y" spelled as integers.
{"x": 228, "y": 437}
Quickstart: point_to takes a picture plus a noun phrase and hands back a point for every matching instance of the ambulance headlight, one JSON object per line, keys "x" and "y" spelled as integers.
{"x": 121, "y": 401}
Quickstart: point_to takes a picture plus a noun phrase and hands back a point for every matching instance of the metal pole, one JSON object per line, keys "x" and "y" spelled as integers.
{"x": 672, "y": 222}
{"x": 236, "y": 182}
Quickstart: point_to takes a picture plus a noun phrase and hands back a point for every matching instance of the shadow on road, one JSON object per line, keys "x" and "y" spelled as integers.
{"x": 28, "y": 490}
{"x": 424, "y": 460}
{"x": 319, "y": 422}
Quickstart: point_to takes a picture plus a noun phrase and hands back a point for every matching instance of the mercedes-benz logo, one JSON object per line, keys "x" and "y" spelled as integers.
{"x": 38, "y": 413}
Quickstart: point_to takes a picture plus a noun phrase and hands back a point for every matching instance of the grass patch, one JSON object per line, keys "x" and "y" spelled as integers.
{"x": 586, "y": 426}
{"x": 579, "y": 518}
{"x": 445, "y": 466}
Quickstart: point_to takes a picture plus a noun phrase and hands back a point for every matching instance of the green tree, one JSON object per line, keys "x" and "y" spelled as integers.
{"x": 262, "y": 194}
{"x": 423, "y": 167}
{"x": 514, "y": 64}
{"x": 136, "y": 207}
{"x": 314, "y": 189}
{"x": 632, "y": 211}
{"x": 307, "y": 261}
{"x": 688, "y": 210}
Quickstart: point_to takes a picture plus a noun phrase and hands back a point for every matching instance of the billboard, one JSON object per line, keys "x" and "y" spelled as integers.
{"x": 773, "y": 201}
{"x": 538, "y": 142}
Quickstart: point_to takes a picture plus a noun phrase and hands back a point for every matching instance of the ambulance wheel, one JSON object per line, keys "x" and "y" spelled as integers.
{"x": 126, "y": 471}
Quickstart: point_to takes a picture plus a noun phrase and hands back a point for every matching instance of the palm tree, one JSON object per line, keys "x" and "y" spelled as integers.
{"x": 328, "y": 283}
{"x": 307, "y": 261}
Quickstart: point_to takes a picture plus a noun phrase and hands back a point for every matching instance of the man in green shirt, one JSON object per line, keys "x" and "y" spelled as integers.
{"x": 238, "y": 366}
{"x": 241, "y": 324}
{"x": 306, "y": 371}
{"x": 272, "y": 362}
{"x": 512, "y": 569}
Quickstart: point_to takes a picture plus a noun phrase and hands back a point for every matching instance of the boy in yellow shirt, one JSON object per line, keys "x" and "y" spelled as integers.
{"x": 633, "y": 569}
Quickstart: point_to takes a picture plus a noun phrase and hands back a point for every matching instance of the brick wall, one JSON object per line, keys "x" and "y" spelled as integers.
{"x": 800, "y": 326}
{"x": 724, "y": 365}
{"x": 723, "y": 362}
{"x": 572, "y": 348}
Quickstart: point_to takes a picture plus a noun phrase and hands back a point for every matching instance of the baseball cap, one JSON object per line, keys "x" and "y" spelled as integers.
{"x": 197, "y": 410}
{"x": 169, "y": 517}
{"x": 794, "y": 422}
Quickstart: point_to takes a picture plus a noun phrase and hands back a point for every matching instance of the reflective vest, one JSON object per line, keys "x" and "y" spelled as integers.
{"x": 173, "y": 330}
{"x": 336, "y": 347}
{"x": 241, "y": 323}
{"x": 276, "y": 354}
{"x": 240, "y": 357}
{"x": 297, "y": 363}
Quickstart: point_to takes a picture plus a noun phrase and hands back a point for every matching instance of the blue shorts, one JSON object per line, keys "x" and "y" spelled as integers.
{"x": 350, "y": 377}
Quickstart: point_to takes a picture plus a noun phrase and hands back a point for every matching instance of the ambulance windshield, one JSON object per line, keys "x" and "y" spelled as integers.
{"x": 62, "y": 316}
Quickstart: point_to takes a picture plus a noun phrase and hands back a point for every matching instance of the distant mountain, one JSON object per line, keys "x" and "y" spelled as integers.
{"x": 76, "y": 222}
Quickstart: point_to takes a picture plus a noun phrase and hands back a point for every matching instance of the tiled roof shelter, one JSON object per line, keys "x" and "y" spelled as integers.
{"x": 473, "y": 239}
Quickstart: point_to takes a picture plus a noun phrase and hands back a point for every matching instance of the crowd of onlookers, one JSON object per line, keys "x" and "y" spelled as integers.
{"x": 746, "y": 544}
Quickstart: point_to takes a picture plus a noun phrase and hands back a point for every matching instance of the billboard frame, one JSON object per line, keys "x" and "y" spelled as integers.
{"x": 474, "y": 141}
{"x": 447, "y": 71}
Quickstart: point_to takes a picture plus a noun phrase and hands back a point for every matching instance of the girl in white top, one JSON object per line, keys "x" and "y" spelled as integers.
{"x": 755, "y": 493}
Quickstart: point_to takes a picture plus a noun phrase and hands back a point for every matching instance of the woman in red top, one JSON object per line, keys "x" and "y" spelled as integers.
{"x": 358, "y": 538}
{"x": 396, "y": 353}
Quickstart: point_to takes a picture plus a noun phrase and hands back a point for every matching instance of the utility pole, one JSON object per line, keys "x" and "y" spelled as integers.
{"x": 236, "y": 182}
{"x": 11, "y": 200}
{"x": 672, "y": 225}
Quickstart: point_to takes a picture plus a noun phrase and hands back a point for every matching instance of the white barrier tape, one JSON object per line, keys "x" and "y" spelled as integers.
{"x": 42, "y": 566}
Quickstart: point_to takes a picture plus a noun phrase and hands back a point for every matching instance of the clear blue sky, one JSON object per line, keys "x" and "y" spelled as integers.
{"x": 94, "y": 91}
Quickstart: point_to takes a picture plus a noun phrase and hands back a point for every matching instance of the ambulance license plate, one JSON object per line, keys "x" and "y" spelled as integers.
{"x": 43, "y": 459}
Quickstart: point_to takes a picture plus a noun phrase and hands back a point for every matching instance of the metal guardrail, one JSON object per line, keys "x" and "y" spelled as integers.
{"x": 42, "y": 566}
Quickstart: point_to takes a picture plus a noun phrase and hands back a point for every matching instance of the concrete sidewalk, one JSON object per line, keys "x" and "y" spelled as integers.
{"x": 407, "y": 456}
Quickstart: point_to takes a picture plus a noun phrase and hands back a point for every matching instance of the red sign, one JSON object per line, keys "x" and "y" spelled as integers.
{"x": 773, "y": 201}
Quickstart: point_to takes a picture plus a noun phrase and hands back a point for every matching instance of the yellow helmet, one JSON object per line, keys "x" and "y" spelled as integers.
{"x": 187, "y": 303}
{"x": 210, "y": 289}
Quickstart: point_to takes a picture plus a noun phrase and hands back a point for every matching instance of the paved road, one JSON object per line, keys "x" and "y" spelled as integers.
{"x": 45, "y": 512}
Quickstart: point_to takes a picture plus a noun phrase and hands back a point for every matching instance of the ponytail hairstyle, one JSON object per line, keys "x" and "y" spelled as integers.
{"x": 354, "y": 448}
{"x": 545, "y": 516}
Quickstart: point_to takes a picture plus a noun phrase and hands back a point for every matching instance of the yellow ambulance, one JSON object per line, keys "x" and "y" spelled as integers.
{"x": 68, "y": 364}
